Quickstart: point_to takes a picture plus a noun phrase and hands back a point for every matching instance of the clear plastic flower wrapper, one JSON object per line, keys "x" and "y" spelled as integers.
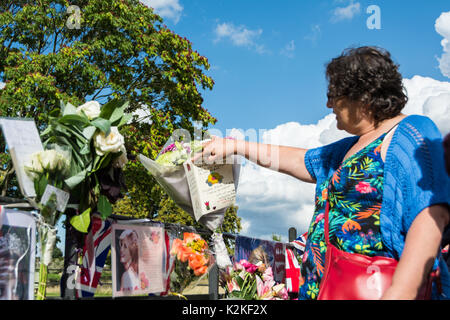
{"x": 48, "y": 169}
{"x": 192, "y": 262}
{"x": 170, "y": 173}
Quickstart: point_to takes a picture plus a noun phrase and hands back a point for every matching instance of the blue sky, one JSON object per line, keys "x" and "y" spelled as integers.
{"x": 267, "y": 59}
{"x": 275, "y": 74}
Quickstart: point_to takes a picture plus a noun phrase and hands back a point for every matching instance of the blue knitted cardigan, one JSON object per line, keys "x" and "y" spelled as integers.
{"x": 414, "y": 179}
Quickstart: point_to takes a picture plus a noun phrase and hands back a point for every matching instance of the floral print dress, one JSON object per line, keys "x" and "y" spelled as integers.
{"x": 355, "y": 197}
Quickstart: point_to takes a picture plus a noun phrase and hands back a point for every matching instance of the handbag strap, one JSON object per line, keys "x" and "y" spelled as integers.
{"x": 327, "y": 222}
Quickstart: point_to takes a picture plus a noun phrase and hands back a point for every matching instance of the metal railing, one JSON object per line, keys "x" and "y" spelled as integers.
{"x": 213, "y": 276}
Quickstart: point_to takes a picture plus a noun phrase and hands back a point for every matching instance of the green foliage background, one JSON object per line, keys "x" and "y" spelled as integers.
{"x": 121, "y": 50}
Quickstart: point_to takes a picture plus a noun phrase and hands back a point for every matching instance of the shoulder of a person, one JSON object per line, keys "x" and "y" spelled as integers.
{"x": 344, "y": 142}
{"x": 419, "y": 125}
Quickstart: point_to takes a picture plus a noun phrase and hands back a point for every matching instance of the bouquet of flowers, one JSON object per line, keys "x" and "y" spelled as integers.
{"x": 178, "y": 152}
{"x": 169, "y": 173}
{"x": 84, "y": 156}
{"x": 248, "y": 281}
{"x": 91, "y": 134}
{"x": 48, "y": 167}
{"x": 192, "y": 261}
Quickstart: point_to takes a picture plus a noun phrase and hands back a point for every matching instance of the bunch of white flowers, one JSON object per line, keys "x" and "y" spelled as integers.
{"x": 50, "y": 161}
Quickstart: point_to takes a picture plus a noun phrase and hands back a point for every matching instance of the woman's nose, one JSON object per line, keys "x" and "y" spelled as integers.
{"x": 329, "y": 104}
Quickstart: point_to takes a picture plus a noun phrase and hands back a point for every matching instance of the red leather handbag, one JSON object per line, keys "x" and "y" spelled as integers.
{"x": 351, "y": 276}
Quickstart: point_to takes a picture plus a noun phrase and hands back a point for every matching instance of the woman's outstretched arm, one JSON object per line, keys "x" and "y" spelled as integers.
{"x": 288, "y": 160}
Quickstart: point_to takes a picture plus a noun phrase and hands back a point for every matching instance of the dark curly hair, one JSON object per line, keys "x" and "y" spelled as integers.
{"x": 367, "y": 75}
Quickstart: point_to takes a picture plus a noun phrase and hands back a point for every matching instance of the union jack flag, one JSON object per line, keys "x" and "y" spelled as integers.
{"x": 300, "y": 243}
{"x": 292, "y": 272}
{"x": 96, "y": 249}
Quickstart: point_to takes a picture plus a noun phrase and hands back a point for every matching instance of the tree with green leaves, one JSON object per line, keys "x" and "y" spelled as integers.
{"x": 76, "y": 51}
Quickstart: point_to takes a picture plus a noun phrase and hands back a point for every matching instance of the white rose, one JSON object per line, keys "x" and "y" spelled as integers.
{"x": 49, "y": 159}
{"x": 112, "y": 143}
{"x": 122, "y": 160}
{"x": 33, "y": 165}
{"x": 63, "y": 164}
{"x": 91, "y": 109}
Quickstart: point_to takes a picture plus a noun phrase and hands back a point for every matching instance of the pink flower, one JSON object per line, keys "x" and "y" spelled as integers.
{"x": 249, "y": 267}
{"x": 268, "y": 274}
{"x": 170, "y": 147}
{"x": 238, "y": 265}
{"x": 280, "y": 291}
{"x": 364, "y": 187}
{"x": 233, "y": 286}
{"x": 263, "y": 289}
{"x": 144, "y": 281}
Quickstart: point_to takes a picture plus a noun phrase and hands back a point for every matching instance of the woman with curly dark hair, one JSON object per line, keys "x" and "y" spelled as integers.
{"x": 382, "y": 195}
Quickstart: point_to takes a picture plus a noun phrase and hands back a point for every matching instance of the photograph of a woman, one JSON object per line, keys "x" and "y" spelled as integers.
{"x": 14, "y": 263}
{"x": 129, "y": 259}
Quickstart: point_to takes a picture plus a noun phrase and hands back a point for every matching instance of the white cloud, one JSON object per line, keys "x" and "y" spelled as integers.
{"x": 442, "y": 27}
{"x": 170, "y": 9}
{"x": 429, "y": 97}
{"x": 289, "y": 50}
{"x": 346, "y": 13}
{"x": 240, "y": 36}
{"x": 314, "y": 34}
{"x": 2, "y": 85}
{"x": 270, "y": 202}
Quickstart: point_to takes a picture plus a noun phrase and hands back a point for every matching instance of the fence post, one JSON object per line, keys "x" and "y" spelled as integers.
{"x": 213, "y": 279}
{"x": 292, "y": 234}
{"x": 73, "y": 243}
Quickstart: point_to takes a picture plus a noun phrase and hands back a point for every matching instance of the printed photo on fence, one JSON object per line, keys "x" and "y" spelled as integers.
{"x": 17, "y": 255}
{"x": 138, "y": 260}
{"x": 271, "y": 253}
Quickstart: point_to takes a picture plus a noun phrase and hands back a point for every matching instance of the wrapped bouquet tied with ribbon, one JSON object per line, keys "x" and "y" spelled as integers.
{"x": 82, "y": 163}
{"x": 205, "y": 191}
{"x": 48, "y": 169}
{"x": 192, "y": 261}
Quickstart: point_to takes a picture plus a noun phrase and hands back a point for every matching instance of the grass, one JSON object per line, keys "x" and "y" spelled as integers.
{"x": 105, "y": 289}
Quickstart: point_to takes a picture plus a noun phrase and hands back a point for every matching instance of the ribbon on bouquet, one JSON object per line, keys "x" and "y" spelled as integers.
{"x": 47, "y": 239}
{"x": 220, "y": 250}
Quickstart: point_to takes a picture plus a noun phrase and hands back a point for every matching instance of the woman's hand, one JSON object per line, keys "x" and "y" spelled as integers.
{"x": 288, "y": 160}
{"x": 216, "y": 150}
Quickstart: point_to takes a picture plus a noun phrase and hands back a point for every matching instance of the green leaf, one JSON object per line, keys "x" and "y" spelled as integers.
{"x": 117, "y": 113}
{"x": 126, "y": 117}
{"x": 68, "y": 109}
{"x": 72, "y": 182}
{"x": 81, "y": 222}
{"x": 40, "y": 185}
{"x": 102, "y": 124}
{"x": 74, "y": 119}
{"x": 88, "y": 132}
{"x": 108, "y": 108}
{"x": 85, "y": 149}
{"x": 102, "y": 162}
{"x": 104, "y": 207}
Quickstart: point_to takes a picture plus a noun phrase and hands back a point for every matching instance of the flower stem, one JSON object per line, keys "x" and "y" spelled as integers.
{"x": 42, "y": 288}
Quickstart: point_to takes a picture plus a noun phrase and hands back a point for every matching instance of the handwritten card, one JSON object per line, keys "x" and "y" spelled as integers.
{"x": 211, "y": 187}
{"x": 62, "y": 197}
{"x": 22, "y": 138}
